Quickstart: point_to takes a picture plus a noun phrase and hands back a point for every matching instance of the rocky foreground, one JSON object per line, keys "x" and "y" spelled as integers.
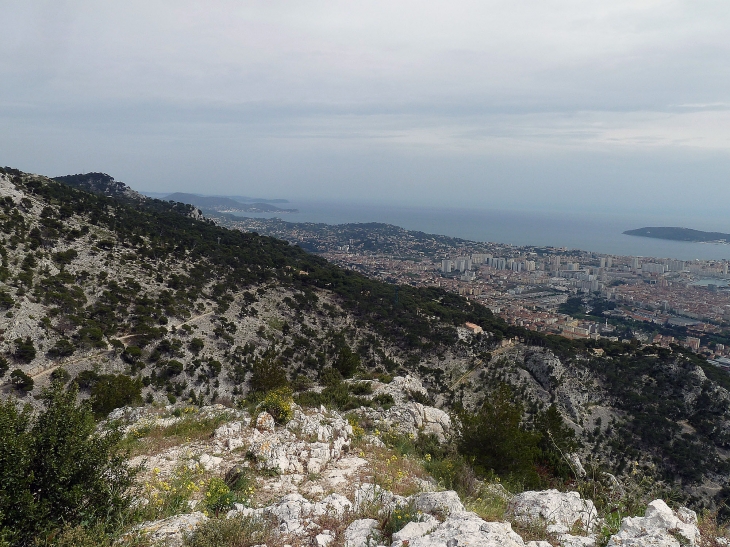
{"x": 320, "y": 479}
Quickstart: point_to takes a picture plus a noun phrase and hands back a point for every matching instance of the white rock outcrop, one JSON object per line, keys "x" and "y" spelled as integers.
{"x": 660, "y": 527}
{"x": 561, "y": 509}
{"x": 362, "y": 533}
{"x": 467, "y": 529}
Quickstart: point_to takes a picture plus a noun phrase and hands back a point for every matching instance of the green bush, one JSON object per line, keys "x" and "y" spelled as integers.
{"x": 56, "y": 470}
{"x": 60, "y": 375}
{"x": 21, "y": 380}
{"x": 495, "y": 438}
{"x": 347, "y": 362}
{"x": 268, "y": 374}
{"x": 24, "y": 350}
{"x": 114, "y": 391}
{"x": 132, "y": 354}
{"x": 218, "y": 497}
{"x": 278, "y": 403}
{"x": 62, "y": 348}
{"x": 4, "y": 366}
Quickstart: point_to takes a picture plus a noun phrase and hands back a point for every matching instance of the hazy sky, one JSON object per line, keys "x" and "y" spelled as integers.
{"x": 594, "y": 106}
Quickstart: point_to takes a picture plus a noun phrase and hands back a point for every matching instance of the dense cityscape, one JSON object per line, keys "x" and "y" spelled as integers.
{"x": 573, "y": 293}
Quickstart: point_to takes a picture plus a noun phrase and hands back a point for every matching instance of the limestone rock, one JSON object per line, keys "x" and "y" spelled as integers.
{"x": 468, "y": 530}
{"x": 362, "y": 533}
{"x": 554, "y": 507}
{"x": 658, "y": 528}
{"x": 414, "y": 530}
{"x": 265, "y": 422}
{"x": 444, "y": 503}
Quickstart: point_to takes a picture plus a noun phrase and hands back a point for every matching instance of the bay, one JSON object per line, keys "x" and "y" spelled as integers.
{"x": 599, "y": 233}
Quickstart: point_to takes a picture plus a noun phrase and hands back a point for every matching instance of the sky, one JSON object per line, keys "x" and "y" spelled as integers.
{"x": 562, "y": 105}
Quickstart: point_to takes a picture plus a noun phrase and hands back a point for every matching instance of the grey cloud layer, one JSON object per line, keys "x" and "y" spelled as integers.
{"x": 293, "y": 95}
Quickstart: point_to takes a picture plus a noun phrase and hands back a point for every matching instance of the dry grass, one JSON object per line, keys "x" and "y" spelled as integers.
{"x": 191, "y": 428}
{"x": 711, "y": 530}
{"x": 387, "y": 469}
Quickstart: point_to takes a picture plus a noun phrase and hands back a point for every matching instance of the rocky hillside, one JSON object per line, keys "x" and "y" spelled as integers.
{"x": 322, "y": 478}
{"x": 143, "y": 302}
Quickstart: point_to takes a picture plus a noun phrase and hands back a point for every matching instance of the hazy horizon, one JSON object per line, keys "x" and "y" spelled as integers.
{"x": 619, "y": 108}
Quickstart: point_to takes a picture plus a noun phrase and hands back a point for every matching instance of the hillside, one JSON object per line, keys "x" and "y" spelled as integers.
{"x": 137, "y": 300}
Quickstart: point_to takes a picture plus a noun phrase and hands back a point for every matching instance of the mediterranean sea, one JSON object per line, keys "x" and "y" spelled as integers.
{"x": 596, "y": 233}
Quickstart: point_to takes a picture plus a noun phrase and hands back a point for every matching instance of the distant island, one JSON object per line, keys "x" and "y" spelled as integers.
{"x": 226, "y": 204}
{"x": 680, "y": 234}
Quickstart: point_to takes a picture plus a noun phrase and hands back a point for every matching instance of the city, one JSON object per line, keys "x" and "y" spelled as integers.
{"x": 546, "y": 289}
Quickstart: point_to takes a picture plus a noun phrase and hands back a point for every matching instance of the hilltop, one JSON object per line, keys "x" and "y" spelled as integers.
{"x": 145, "y": 303}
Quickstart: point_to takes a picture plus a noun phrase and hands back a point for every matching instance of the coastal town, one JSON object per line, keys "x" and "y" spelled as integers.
{"x": 573, "y": 293}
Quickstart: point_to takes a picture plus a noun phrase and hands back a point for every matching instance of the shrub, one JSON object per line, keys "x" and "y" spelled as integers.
{"x": 60, "y": 375}
{"x": 21, "y": 380}
{"x": 24, "y": 350}
{"x": 268, "y": 374}
{"x": 218, "y": 496}
{"x": 114, "y": 391}
{"x": 496, "y": 439}
{"x": 87, "y": 378}
{"x": 4, "y": 366}
{"x": 196, "y": 345}
{"x": 56, "y": 470}
{"x": 361, "y": 388}
{"x": 278, "y": 403}
{"x": 169, "y": 495}
{"x": 62, "y": 348}
{"x": 347, "y": 362}
{"x": 132, "y": 354}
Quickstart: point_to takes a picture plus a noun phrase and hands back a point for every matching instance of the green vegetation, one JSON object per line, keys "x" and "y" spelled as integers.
{"x": 56, "y": 471}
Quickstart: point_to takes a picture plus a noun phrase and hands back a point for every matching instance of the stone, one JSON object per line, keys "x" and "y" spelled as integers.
{"x": 265, "y": 422}
{"x": 566, "y": 540}
{"x": 659, "y": 527}
{"x": 443, "y": 503}
{"x": 538, "y": 544}
{"x": 362, "y": 533}
{"x": 209, "y": 462}
{"x": 468, "y": 530}
{"x": 373, "y": 495}
{"x": 560, "y": 508}
{"x": 323, "y": 539}
{"x": 414, "y": 530}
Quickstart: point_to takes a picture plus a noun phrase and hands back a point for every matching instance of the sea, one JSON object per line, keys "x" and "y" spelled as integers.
{"x": 599, "y": 233}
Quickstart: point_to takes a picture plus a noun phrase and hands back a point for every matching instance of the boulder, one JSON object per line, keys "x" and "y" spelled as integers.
{"x": 377, "y": 497}
{"x": 659, "y": 527}
{"x": 564, "y": 509}
{"x": 265, "y": 422}
{"x": 467, "y": 529}
{"x": 362, "y": 533}
{"x": 443, "y": 503}
{"x": 414, "y": 530}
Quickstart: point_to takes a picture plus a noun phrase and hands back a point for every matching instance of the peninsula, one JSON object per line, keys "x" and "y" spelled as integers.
{"x": 680, "y": 234}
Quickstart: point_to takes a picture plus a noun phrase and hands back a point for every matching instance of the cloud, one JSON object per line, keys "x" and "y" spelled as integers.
{"x": 267, "y": 89}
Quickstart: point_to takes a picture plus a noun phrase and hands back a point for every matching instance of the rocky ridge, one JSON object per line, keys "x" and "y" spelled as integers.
{"x": 318, "y": 483}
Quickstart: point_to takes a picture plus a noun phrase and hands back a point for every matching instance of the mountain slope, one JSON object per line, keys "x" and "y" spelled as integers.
{"x": 95, "y": 285}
